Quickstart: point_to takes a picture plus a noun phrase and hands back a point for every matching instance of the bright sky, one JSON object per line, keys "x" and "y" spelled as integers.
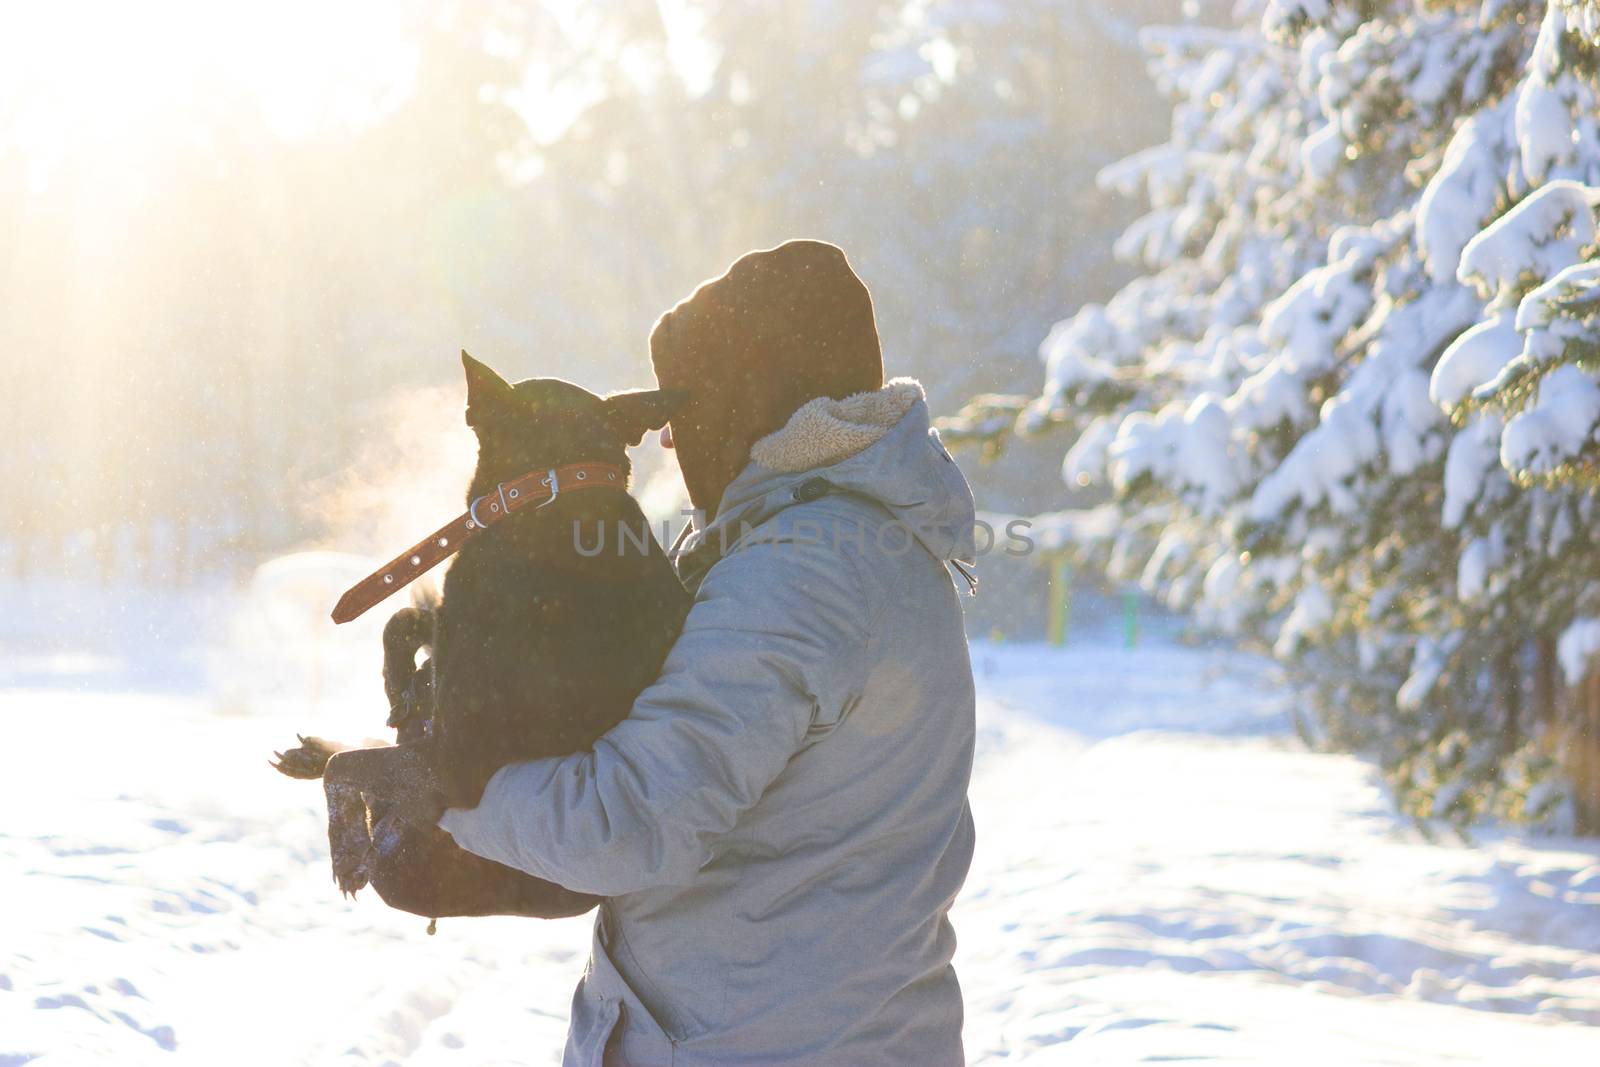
{"x": 118, "y": 79}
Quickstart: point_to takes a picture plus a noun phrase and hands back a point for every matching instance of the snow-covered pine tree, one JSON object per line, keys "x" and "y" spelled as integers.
{"x": 1358, "y": 496}
{"x": 1354, "y": 200}
{"x": 1521, "y": 384}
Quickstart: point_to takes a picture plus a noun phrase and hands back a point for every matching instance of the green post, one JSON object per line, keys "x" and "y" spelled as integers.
{"x": 1130, "y": 618}
{"x": 1060, "y": 601}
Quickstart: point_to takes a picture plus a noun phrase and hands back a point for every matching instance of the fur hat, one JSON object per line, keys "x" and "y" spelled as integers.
{"x": 782, "y": 327}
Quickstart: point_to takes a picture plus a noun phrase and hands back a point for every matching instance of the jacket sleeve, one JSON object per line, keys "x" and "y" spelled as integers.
{"x": 775, "y": 641}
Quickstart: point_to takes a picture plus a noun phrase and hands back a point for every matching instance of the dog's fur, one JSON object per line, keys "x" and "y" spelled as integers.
{"x": 537, "y": 651}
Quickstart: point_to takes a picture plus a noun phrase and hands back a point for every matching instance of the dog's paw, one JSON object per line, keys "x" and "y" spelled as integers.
{"x": 349, "y": 841}
{"x": 306, "y": 761}
{"x": 352, "y": 870}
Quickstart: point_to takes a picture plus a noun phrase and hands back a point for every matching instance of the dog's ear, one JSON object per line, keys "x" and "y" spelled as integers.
{"x": 486, "y": 390}
{"x": 634, "y": 414}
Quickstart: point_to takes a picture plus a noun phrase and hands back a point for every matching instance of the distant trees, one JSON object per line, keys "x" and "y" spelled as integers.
{"x": 1350, "y": 407}
{"x": 206, "y": 326}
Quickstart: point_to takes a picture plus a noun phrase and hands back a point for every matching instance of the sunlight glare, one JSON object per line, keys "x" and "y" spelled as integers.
{"x": 112, "y": 82}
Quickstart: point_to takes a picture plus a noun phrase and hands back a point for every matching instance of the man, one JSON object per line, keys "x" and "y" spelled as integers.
{"x": 780, "y": 824}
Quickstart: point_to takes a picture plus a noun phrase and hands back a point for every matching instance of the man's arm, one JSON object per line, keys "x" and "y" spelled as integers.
{"x": 778, "y": 631}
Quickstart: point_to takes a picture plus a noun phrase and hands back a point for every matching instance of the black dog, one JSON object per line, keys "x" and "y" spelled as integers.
{"x": 538, "y": 649}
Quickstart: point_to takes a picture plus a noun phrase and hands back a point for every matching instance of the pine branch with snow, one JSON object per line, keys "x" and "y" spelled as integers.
{"x": 1350, "y": 408}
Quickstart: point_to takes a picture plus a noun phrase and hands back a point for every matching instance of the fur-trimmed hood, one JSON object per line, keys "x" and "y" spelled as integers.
{"x": 879, "y": 445}
{"x": 826, "y": 431}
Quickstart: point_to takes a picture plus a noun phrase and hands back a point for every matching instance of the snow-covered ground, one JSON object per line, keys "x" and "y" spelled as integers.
{"x": 1163, "y": 874}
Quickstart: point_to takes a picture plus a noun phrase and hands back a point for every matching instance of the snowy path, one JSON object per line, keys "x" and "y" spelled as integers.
{"x": 1161, "y": 875}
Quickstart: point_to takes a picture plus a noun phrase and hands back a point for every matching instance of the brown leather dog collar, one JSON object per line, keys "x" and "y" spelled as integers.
{"x": 534, "y": 489}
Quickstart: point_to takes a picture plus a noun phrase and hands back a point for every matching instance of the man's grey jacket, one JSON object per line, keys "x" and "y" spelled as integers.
{"x": 781, "y": 823}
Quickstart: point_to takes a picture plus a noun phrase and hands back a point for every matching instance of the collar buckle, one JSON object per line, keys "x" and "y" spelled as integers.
{"x": 554, "y": 485}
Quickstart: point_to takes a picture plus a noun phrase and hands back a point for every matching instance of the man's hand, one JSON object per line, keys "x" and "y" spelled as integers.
{"x": 420, "y": 809}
